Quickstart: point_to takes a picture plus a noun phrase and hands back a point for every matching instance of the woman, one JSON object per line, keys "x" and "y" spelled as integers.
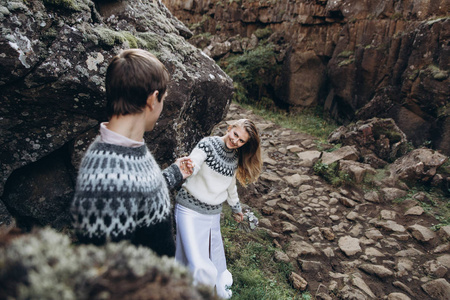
{"x": 218, "y": 162}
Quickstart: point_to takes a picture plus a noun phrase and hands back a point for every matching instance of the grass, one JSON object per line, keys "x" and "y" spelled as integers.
{"x": 435, "y": 203}
{"x": 250, "y": 255}
{"x": 308, "y": 121}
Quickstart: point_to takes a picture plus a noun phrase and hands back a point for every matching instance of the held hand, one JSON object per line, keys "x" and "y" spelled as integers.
{"x": 186, "y": 166}
{"x": 238, "y": 217}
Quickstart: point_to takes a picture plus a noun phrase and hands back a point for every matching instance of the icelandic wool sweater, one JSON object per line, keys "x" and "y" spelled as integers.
{"x": 213, "y": 180}
{"x": 121, "y": 194}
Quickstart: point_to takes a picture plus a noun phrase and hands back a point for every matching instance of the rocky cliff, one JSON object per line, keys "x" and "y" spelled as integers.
{"x": 54, "y": 56}
{"x": 360, "y": 59}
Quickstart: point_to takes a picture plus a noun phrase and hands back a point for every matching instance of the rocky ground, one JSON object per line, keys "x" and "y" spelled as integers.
{"x": 344, "y": 243}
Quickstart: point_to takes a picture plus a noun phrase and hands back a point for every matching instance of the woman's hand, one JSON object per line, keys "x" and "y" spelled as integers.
{"x": 238, "y": 217}
{"x": 186, "y": 166}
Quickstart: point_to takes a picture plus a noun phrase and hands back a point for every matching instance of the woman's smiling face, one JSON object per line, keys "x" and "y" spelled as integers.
{"x": 236, "y": 137}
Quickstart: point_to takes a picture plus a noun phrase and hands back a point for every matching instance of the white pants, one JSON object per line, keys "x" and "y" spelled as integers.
{"x": 199, "y": 246}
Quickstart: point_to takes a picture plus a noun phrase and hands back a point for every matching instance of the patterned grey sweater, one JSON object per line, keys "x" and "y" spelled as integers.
{"x": 120, "y": 194}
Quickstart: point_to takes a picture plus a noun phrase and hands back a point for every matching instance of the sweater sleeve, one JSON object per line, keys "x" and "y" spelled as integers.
{"x": 233, "y": 197}
{"x": 173, "y": 176}
{"x": 198, "y": 156}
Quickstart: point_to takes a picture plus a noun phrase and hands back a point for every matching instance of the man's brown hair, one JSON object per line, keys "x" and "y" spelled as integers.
{"x": 131, "y": 77}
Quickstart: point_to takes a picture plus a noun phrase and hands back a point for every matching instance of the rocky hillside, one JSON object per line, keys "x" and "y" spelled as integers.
{"x": 54, "y": 56}
{"x": 360, "y": 59}
{"x": 369, "y": 240}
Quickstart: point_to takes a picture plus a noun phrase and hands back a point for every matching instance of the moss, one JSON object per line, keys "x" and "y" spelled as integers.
{"x": 15, "y": 6}
{"x": 391, "y": 134}
{"x": 435, "y": 20}
{"x": 346, "y": 62}
{"x": 397, "y": 16}
{"x": 110, "y": 38}
{"x": 346, "y": 54}
{"x": 263, "y": 33}
{"x": 50, "y": 267}
{"x": 437, "y": 73}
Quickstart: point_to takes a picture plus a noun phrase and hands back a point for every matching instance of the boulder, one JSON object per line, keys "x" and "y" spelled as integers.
{"x": 418, "y": 165}
{"x": 54, "y": 59}
{"x": 438, "y": 289}
{"x": 51, "y": 266}
{"x": 381, "y": 137}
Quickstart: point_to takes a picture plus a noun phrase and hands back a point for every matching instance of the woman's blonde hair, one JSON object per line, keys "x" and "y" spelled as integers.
{"x": 250, "y": 162}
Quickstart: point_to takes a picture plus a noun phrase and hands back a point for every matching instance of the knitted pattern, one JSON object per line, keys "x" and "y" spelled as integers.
{"x": 121, "y": 193}
{"x": 218, "y": 158}
{"x": 213, "y": 181}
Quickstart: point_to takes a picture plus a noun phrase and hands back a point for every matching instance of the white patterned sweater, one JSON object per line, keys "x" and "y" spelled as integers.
{"x": 120, "y": 194}
{"x": 213, "y": 180}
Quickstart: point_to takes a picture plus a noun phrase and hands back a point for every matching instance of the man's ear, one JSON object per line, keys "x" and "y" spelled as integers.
{"x": 151, "y": 99}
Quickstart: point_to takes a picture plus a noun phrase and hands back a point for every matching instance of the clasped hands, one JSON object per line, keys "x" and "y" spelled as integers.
{"x": 186, "y": 166}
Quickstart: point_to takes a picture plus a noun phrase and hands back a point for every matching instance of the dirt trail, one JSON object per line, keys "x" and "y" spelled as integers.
{"x": 342, "y": 244}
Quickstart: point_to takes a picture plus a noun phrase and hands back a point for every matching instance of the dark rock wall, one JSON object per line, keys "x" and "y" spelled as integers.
{"x": 361, "y": 59}
{"x": 54, "y": 56}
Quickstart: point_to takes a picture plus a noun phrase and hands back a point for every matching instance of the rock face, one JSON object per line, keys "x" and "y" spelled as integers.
{"x": 54, "y": 56}
{"x": 361, "y": 59}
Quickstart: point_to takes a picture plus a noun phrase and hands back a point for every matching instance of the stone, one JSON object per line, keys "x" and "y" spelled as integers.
{"x": 404, "y": 266}
{"x": 349, "y": 245}
{"x": 411, "y": 252}
{"x": 398, "y": 296}
{"x": 444, "y": 260}
{"x": 391, "y": 194}
{"x": 308, "y": 158}
{"x": 297, "y": 180}
{"x": 414, "y": 211}
{"x": 357, "y": 171}
{"x": 391, "y": 226}
{"x": 403, "y": 287}
{"x": 372, "y": 196}
{"x": 267, "y": 210}
{"x": 294, "y": 148}
{"x": 359, "y": 283}
{"x": 388, "y": 214}
{"x": 300, "y": 248}
{"x": 442, "y": 248}
{"x": 435, "y": 269}
{"x": 311, "y": 266}
{"x": 265, "y": 222}
{"x": 419, "y": 164}
{"x": 346, "y": 152}
{"x": 280, "y": 256}
{"x": 378, "y": 270}
{"x": 286, "y": 216}
{"x": 288, "y": 227}
{"x": 298, "y": 282}
{"x": 444, "y": 232}
{"x": 438, "y": 289}
{"x": 272, "y": 203}
{"x": 328, "y": 233}
{"x": 271, "y": 177}
{"x": 347, "y": 202}
{"x": 370, "y": 251}
{"x": 421, "y": 233}
{"x": 374, "y": 234}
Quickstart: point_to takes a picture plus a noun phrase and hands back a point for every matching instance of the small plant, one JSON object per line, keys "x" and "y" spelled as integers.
{"x": 254, "y": 70}
{"x": 250, "y": 259}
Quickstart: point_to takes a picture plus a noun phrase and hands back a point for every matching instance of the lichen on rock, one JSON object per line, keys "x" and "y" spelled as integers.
{"x": 46, "y": 265}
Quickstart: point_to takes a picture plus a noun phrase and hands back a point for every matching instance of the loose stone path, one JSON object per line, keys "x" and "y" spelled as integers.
{"x": 344, "y": 244}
